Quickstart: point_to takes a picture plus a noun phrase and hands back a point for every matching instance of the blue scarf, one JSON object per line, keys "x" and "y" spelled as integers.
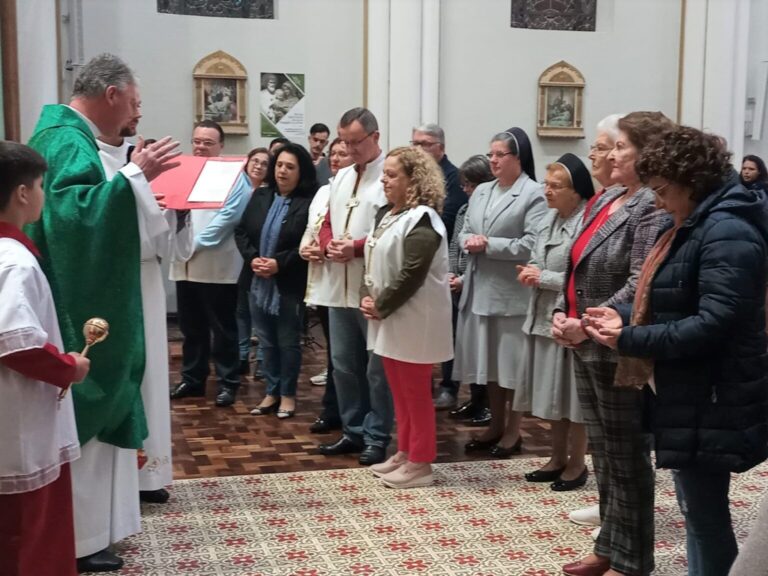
{"x": 265, "y": 289}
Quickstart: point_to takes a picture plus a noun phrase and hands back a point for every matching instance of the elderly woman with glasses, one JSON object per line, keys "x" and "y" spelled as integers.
{"x": 603, "y": 267}
{"x": 694, "y": 337}
{"x": 499, "y": 231}
{"x": 550, "y": 390}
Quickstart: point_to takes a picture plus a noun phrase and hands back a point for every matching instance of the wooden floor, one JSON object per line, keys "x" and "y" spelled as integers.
{"x": 210, "y": 441}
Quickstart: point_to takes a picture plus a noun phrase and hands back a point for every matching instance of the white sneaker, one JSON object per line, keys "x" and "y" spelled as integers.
{"x": 408, "y": 476}
{"x": 595, "y": 533}
{"x": 320, "y": 379}
{"x": 586, "y": 516}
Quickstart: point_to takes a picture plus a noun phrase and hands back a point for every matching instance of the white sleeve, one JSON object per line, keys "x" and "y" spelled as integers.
{"x": 154, "y": 221}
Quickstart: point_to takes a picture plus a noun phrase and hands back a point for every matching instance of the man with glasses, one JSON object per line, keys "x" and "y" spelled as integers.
{"x": 206, "y": 286}
{"x": 365, "y": 402}
{"x": 431, "y": 139}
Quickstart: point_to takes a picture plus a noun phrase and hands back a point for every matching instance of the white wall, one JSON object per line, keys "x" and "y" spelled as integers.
{"x": 319, "y": 38}
{"x": 758, "y": 57}
{"x": 36, "y": 25}
{"x": 489, "y": 71}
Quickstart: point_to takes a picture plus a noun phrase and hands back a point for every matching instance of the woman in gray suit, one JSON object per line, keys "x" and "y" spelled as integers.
{"x": 498, "y": 233}
{"x": 604, "y": 265}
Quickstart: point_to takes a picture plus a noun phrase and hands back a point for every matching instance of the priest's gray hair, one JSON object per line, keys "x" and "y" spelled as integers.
{"x": 100, "y": 73}
{"x": 433, "y": 130}
{"x": 610, "y": 126}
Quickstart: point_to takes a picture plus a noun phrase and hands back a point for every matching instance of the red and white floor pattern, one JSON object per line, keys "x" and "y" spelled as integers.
{"x": 480, "y": 519}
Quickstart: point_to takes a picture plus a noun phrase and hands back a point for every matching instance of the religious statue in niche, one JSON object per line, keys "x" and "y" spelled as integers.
{"x": 575, "y": 15}
{"x": 561, "y": 99}
{"x": 220, "y": 92}
{"x": 222, "y": 8}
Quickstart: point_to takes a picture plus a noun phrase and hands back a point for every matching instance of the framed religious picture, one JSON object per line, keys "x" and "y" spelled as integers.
{"x": 220, "y": 92}
{"x": 561, "y": 102}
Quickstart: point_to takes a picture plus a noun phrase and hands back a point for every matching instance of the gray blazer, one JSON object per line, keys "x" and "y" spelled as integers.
{"x": 490, "y": 280}
{"x": 610, "y": 265}
{"x": 550, "y": 255}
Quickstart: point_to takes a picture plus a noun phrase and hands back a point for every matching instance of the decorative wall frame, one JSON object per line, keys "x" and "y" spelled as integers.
{"x": 219, "y": 8}
{"x": 221, "y": 92}
{"x": 561, "y": 102}
{"x": 574, "y": 15}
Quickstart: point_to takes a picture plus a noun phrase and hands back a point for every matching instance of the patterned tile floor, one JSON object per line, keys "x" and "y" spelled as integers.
{"x": 480, "y": 519}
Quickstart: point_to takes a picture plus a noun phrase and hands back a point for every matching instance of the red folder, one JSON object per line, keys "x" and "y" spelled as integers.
{"x": 177, "y": 184}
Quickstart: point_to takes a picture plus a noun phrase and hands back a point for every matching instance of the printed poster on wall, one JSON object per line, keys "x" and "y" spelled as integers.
{"x": 282, "y": 106}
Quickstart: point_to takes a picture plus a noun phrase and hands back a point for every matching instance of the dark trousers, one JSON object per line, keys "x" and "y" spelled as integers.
{"x": 449, "y": 384}
{"x": 206, "y": 309}
{"x": 244, "y": 328}
{"x": 330, "y": 400}
{"x": 703, "y": 498}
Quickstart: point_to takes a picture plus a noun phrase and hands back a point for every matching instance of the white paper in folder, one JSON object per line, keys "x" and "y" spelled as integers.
{"x": 215, "y": 181}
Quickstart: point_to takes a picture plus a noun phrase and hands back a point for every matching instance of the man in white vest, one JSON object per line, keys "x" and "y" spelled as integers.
{"x": 206, "y": 286}
{"x": 365, "y": 402}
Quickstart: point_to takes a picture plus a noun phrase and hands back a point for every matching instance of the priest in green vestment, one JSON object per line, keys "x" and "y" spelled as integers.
{"x": 89, "y": 239}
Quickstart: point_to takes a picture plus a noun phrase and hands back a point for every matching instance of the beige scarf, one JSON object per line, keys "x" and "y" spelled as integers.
{"x": 634, "y": 372}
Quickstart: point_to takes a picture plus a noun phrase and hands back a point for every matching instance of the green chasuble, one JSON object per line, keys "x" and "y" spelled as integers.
{"x": 89, "y": 239}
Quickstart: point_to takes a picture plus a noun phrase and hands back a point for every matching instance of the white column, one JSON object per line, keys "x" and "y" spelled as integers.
{"x": 430, "y": 62}
{"x": 36, "y": 21}
{"x": 715, "y": 68}
{"x": 404, "y": 70}
{"x": 378, "y": 65}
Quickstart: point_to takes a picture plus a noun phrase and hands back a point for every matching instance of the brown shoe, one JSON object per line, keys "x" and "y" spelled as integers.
{"x": 583, "y": 569}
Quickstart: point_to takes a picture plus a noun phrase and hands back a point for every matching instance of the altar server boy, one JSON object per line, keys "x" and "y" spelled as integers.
{"x": 38, "y": 438}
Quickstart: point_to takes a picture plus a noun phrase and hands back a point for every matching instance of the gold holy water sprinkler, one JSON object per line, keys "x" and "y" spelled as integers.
{"x": 95, "y": 330}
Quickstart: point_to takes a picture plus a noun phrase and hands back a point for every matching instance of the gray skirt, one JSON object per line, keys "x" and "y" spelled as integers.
{"x": 489, "y": 349}
{"x": 550, "y": 388}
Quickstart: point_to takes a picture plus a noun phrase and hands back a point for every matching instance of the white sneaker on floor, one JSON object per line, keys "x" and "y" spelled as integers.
{"x": 407, "y": 476}
{"x": 320, "y": 379}
{"x": 586, "y": 516}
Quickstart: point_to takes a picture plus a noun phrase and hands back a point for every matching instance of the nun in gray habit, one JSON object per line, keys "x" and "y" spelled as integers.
{"x": 499, "y": 232}
{"x": 549, "y": 391}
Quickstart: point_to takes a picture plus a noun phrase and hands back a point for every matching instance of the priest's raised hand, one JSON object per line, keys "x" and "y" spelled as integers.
{"x": 155, "y": 158}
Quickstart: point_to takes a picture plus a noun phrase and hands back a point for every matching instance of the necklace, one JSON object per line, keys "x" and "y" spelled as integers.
{"x": 386, "y": 222}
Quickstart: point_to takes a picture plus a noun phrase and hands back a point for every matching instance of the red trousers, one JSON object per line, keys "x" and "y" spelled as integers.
{"x": 37, "y": 531}
{"x": 411, "y": 386}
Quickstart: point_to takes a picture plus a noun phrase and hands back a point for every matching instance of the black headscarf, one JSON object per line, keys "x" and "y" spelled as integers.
{"x": 524, "y": 152}
{"x": 580, "y": 176}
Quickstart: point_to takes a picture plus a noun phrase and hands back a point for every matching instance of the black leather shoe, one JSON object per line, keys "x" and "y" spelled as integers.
{"x": 103, "y": 561}
{"x": 342, "y": 446}
{"x": 566, "y": 485}
{"x": 187, "y": 390}
{"x": 225, "y": 397}
{"x": 544, "y": 475}
{"x": 503, "y": 452}
{"x": 154, "y": 496}
{"x": 482, "y": 419}
{"x": 324, "y": 425}
{"x": 466, "y": 411}
{"x": 372, "y": 455}
{"x": 476, "y": 445}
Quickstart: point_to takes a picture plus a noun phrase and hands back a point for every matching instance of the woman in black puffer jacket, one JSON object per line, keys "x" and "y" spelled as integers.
{"x": 696, "y": 334}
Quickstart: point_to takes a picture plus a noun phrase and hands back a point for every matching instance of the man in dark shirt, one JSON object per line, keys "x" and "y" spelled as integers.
{"x": 431, "y": 139}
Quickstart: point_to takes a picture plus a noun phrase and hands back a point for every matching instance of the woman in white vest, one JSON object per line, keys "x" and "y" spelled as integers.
{"x": 499, "y": 231}
{"x": 406, "y": 298}
{"x": 318, "y": 282}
